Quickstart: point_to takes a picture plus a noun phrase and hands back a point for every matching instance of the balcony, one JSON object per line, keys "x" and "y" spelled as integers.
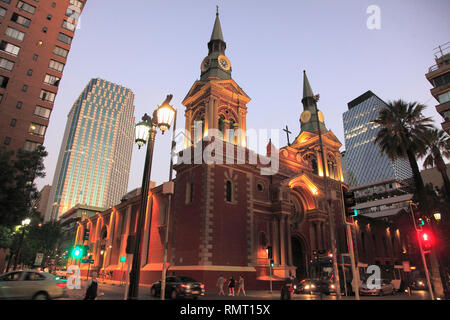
{"x": 441, "y": 108}
{"x": 440, "y": 89}
{"x": 436, "y": 71}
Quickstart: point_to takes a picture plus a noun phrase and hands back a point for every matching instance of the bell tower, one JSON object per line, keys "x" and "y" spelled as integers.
{"x": 216, "y": 101}
{"x": 308, "y": 142}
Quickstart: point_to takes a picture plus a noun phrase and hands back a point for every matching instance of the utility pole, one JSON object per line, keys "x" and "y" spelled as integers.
{"x": 330, "y": 214}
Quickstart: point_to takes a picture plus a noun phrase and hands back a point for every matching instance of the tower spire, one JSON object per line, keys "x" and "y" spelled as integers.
{"x": 310, "y": 114}
{"x": 307, "y": 91}
{"x": 217, "y": 30}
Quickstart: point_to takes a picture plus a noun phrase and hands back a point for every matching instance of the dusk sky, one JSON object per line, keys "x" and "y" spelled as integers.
{"x": 156, "y": 48}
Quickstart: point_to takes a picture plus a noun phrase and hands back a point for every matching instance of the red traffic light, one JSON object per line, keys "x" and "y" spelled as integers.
{"x": 426, "y": 239}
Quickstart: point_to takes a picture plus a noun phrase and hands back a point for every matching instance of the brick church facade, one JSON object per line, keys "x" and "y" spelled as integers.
{"x": 225, "y": 214}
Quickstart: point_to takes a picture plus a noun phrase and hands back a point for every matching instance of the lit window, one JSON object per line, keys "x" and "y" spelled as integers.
{"x": 37, "y": 129}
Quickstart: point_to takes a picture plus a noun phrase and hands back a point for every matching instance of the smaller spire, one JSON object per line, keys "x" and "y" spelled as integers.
{"x": 307, "y": 91}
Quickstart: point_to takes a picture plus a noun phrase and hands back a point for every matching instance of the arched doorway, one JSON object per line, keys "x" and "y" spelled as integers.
{"x": 102, "y": 252}
{"x": 299, "y": 257}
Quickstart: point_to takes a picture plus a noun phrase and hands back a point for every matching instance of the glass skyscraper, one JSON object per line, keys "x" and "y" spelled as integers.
{"x": 364, "y": 163}
{"x": 95, "y": 157}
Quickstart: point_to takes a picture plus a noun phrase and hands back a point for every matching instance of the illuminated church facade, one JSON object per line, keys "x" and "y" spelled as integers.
{"x": 224, "y": 215}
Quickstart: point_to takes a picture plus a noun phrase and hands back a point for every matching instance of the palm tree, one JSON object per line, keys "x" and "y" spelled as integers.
{"x": 437, "y": 146}
{"x": 402, "y": 128}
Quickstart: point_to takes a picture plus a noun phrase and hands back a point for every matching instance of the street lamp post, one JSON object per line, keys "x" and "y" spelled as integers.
{"x": 166, "y": 242}
{"x": 146, "y": 133}
{"x": 25, "y": 223}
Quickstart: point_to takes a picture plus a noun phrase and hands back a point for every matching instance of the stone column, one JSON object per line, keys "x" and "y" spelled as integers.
{"x": 275, "y": 243}
{"x": 282, "y": 225}
{"x": 289, "y": 242}
{"x": 312, "y": 235}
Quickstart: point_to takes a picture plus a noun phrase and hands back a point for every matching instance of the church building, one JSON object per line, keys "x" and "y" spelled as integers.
{"x": 225, "y": 214}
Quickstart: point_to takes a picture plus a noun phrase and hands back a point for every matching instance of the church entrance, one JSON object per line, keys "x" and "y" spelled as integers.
{"x": 299, "y": 257}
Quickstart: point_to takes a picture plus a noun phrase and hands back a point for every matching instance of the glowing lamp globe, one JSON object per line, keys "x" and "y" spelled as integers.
{"x": 142, "y": 133}
{"x": 165, "y": 115}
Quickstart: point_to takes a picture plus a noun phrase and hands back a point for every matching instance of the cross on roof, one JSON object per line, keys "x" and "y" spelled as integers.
{"x": 287, "y": 134}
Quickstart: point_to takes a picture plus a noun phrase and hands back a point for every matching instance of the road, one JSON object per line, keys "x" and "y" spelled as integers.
{"x": 116, "y": 292}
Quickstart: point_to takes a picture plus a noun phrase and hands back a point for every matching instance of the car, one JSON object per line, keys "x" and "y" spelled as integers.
{"x": 305, "y": 286}
{"x": 61, "y": 273}
{"x": 31, "y": 285}
{"x": 419, "y": 284}
{"x": 386, "y": 287}
{"x": 179, "y": 286}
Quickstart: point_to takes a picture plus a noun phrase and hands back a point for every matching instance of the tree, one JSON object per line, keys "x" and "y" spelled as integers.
{"x": 437, "y": 146}
{"x": 17, "y": 189}
{"x": 402, "y": 128}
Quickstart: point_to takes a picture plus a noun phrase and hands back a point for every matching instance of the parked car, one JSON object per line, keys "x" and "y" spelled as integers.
{"x": 386, "y": 287}
{"x": 31, "y": 285}
{"x": 419, "y": 284}
{"x": 179, "y": 286}
{"x": 305, "y": 286}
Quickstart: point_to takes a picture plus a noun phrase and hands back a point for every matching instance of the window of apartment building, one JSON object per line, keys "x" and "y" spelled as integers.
{"x": 55, "y": 65}
{"x": 15, "y": 34}
{"x": 47, "y": 96}
{"x": 13, "y": 122}
{"x": 64, "y": 38}
{"x": 7, "y": 140}
{"x": 76, "y": 3}
{"x": 2, "y": 12}
{"x": 35, "y": 57}
{"x": 20, "y": 20}
{"x": 6, "y": 64}
{"x": 61, "y": 52}
{"x": 3, "y": 81}
{"x": 1, "y": 97}
{"x": 26, "y": 7}
{"x": 31, "y": 145}
{"x": 51, "y": 80}
{"x": 42, "y": 112}
{"x": 68, "y": 25}
{"x": 6, "y": 1}
{"x": 30, "y": 72}
{"x": 19, "y": 104}
{"x": 445, "y": 97}
{"x": 9, "y": 48}
{"x": 37, "y": 129}
{"x": 441, "y": 80}
{"x": 49, "y": 17}
{"x": 25, "y": 88}
{"x": 44, "y": 29}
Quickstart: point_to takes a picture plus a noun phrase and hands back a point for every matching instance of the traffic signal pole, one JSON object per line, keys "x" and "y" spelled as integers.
{"x": 422, "y": 254}
{"x": 351, "y": 251}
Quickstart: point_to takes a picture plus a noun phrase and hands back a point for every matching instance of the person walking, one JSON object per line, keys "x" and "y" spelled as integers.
{"x": 220, "y": 284}
{"x": 241, "y": 285}
{"x": 92, "y": 287}
{"x": 231, "y": 285}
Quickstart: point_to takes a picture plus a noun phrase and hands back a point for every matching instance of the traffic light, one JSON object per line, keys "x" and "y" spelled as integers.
{"x": 426, "y": 239}
{"x": 272, "y": 264}
{"x": 77, "y": 252}
{"x": 349, "y": 202}
{"x": 85, "y": 250}
{"x": 269, "y": 252}
{"x": 86, "y": 235}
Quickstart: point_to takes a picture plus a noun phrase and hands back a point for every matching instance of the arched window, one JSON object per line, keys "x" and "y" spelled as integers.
{"x": 229, "y": 191}
{"x": 231, "y": 137}
{"x": 315, "y": 168}
{"x": 222, "y": 125}
{"x": 332, "y": 169}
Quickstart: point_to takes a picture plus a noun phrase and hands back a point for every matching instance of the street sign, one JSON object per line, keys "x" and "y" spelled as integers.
{"x": 90, "y": 261}
{"x": 38, "y": 260}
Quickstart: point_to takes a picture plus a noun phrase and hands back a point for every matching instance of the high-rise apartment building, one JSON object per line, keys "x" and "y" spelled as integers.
{"x": 364, "y": 163}
{"x": 35, "y": 39}
{"x": 95, "y": 157}
{"x": 439, "y": 77}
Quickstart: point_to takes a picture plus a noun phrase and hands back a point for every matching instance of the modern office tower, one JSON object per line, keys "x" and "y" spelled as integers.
{"x": 35, "y": 39}
{"x": 95, "y": 157}
{"x": 363, "y": 159}
{"x": 439, "y": 77}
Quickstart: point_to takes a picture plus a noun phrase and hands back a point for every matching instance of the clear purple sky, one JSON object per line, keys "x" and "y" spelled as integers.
{"x": 156, "y": 47}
